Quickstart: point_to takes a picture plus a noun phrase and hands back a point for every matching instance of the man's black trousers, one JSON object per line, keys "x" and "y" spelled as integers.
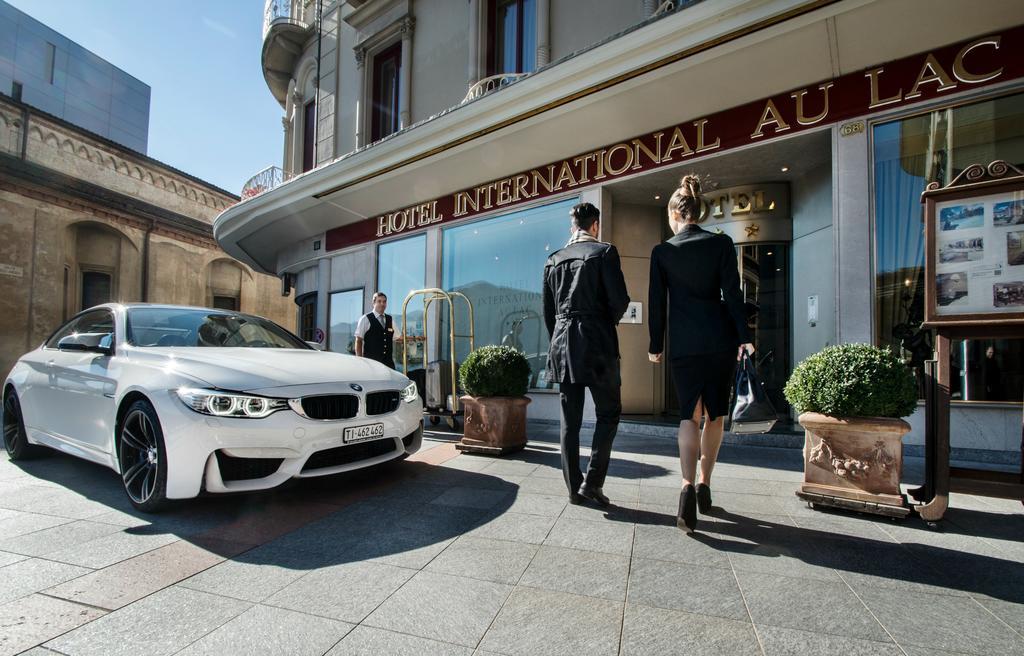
{"x": 608, "y": 406}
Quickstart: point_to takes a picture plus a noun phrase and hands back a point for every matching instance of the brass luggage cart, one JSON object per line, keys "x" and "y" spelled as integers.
{"x": 443, "y": 379}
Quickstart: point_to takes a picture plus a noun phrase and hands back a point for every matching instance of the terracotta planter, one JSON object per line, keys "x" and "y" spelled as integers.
{"x": 493, "y": 424}
{"x": 854, "y": 462}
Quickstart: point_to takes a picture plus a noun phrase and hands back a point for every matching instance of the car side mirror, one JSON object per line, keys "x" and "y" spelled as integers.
{"x": 316, "y": 345}
{"x": 88, "y": 342}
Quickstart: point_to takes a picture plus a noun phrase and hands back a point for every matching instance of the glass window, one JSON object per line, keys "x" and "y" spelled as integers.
{"x": 95, "y": 288}
{"x": 346, "y": 308}
{"x": 499, "y": 265}
{"x": 387, "y": 68}
{"x": 908, "y": 154}
{"x": 159, "y": 326}
{"x": 514, "y": 34}
{"x": 97, "y": 321}
{"x": 402, "y": 268}
{"x": 225, "y": 303}
{"x": 308, "y": 135}
{"x": 307, "y": 316}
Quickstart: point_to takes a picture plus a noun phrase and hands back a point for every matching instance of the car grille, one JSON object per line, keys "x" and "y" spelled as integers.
{"x": 338, "y": 406}
{"x": 343, "y": 455}
{"x": 245, "y": 469}
{"x": 381, "y": 403}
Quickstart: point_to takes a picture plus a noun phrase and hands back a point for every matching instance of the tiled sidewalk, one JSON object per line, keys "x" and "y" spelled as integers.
{"x": 458, "y": 554}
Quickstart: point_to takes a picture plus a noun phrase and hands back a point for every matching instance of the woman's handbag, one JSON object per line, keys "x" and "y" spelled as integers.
{"x": 753, "y": 412}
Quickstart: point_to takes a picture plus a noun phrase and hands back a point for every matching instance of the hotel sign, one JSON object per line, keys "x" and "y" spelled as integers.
{"x": 971, "y": 64}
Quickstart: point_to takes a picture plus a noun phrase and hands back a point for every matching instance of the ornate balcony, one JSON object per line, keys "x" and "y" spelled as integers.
{"x": 263, "y": 181}
{"x": 492, "y": 83}
{"x": 286, "y": 27}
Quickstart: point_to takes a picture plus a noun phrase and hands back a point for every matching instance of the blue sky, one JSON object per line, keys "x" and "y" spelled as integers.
{"x": 211, "y": 114}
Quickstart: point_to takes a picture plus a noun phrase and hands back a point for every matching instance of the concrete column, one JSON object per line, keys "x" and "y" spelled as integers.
{"x": 853, "y": 245}
{"x": 543, "y": 33}
{"x": 433, "y": 278}
{"x": 405, "y": 84}
{"x": 473, "y": 68}
{"x": 323, "y": 295}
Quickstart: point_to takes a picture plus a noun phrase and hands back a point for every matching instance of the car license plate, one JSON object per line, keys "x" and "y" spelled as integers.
{"x": 362, "y": 433}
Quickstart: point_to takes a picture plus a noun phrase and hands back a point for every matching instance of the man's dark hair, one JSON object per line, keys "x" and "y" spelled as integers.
{"x": 585, "y": 215}
{"x": 380, "y": 294}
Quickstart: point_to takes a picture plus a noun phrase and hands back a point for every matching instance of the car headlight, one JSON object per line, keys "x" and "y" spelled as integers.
{"x": 410, "y": 393}
{"x": 224, "y": 404}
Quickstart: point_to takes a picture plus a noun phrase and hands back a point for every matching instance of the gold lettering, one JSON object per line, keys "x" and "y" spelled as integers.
{"x": 770, "y": 116}
{"x": 464, "y": 202}
{"x": 488, "y": 188}
{"x": 382, "y": 226}
{"x": 742, "y": 205}
{"x": 546, "y": 183}
{"x": 640, "y": 147}
{"x": 505, "y": 191}
{"x": 405, "y": 220}
{"x": 876, "y": 101}
{"x": 937, "y": 74}
{"x": 759, "y": 204}
{"x": 600, "y": 175}
{"x": 435, "y": 216}
{"x": 582, "y": 162}
{"x": 802, "y": 118}
{"x": 520, "y": 191}
{"x": 718, "y": 205}
{"x": 621, "y": 147}
{"x": 961, "y": 72}
{"x": 701, "y": 145}
{"x": 677, "y": 142}
{"x": 565, "y": 173}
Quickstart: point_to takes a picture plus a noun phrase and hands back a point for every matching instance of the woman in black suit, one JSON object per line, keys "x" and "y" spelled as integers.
{"x": 707, "y": 327}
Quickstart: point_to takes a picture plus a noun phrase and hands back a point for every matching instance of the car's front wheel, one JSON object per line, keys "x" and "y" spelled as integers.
{"x": 143, "y": 458}
{"x": 15, "y": 439}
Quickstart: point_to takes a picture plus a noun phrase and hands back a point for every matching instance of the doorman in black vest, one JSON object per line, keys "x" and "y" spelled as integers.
{"x": 375, "y": 333}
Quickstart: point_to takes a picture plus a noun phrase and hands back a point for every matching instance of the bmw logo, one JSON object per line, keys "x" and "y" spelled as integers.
{"x": 358, "y": 388}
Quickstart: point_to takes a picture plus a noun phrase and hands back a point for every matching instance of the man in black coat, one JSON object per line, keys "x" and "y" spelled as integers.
{"x": 584, "y": 298}
{"x": 375, "y": 333}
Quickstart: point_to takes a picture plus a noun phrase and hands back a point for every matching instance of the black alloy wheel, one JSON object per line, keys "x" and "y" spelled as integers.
{"x": 15, "y": 439}
{"x": 142, "y": 458}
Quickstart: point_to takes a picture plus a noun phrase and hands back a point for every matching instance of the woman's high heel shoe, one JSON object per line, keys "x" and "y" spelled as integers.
{"x": 703, "y": 498}
{"x": 687, "y": 509}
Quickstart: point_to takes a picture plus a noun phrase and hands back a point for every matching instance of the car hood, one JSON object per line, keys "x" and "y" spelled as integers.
{"x": 251, "y": 369}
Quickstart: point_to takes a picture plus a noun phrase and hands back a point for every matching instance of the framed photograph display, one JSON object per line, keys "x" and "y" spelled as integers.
{"x": 974, "y": 248}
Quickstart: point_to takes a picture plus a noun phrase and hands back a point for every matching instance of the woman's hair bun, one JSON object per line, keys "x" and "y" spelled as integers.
{"x": 690, "y": 186}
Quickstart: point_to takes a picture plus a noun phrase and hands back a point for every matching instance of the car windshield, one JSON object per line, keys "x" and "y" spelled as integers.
{"x": 156, "y": 326}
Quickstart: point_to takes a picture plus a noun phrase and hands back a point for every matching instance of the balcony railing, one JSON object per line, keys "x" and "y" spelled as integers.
{"x": 492, "y": 83}
{"x": 283, "y": 11}
{"x": 263, "y": 181}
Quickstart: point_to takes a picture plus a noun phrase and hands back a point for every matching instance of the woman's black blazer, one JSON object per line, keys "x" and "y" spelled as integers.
{"x": 696, "y": 270}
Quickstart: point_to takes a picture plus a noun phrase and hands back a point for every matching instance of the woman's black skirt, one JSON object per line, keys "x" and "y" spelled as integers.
{"x": 708, "y": 378}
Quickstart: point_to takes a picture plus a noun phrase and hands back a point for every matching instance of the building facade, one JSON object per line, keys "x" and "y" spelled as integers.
{"x": 447, "y": 140}
{"x": 85, "y": 221}
{"x": 45, "y": 69}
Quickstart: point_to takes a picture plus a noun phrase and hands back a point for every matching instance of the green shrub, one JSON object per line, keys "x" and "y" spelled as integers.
{"x": 495, "y": 371}
{"x": 853, "y": 380}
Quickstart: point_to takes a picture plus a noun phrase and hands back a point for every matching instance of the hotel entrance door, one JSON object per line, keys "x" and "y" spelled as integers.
{"x": 764, "y": 279}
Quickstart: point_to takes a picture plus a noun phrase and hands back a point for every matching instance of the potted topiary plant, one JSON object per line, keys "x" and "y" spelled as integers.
{"x": 495, "y": 379}
{"x": 851, "y": 399}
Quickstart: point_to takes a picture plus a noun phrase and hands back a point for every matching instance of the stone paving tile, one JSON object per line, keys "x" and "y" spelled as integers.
{"x": 551, "y": 485}
{"x": 160, "y": 624}
{"x": 585, "y": 573}
{"x": 678, "y": 586}
{"x": 256, "y": 574}
{"x": 793, "y": 558}
{"x": 135, "y": 578}
{"x": 620, "y": 512}
{"x": 468, "y": 497}
{"x": 797, "y": 604}
{"x": 500, "y": 561}
{"x": 941, "y": 622}
{"x": 608, "y": 537}
{"x": 1010, "y": 612}
{"x": 516, "y": 527}
{"x": 54, "y": 501}
{"x": 541, "y": 622}
{"x": 33, "y": 575}
{"x": 47, "y": 541}
{"x": 34, "y": 619}
{"x": 368, "y": 641}
{"x": 655, "y": 631}
{"x": 510, "y": 468}
{"x": 113, "y": 547}
{"x": 546, "y": 505}
{"x": 672, "y": 544}
{"x": 23, "y": 523}
{"x": 270, "y": 631}
{"x": 347, "y": 592}
{"x": 792, "y": 642}
{"x": 10, "y": 558}
{"x": 442, "y": 607}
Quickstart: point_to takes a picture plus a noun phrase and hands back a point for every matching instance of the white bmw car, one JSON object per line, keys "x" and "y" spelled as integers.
{"x": 179, "y": 400}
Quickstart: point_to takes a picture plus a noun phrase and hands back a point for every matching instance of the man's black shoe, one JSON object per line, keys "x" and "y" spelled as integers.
{"x": 575, "y": 499}
{"x": 594, "y": 494}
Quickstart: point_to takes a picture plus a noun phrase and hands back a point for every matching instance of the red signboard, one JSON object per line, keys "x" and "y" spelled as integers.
{"x": 975, "y": 63}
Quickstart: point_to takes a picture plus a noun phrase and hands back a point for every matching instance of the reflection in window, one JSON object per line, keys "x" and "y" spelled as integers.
{"x": 499, "y": 264}
{"x": 401, "y": 268}
{"x": 514, "y": 36}
{"x": 307, "y": 316}
{"x": 387, "y": 69}
{"x": 908, "y": 154}
{"x": 346, "y": 308}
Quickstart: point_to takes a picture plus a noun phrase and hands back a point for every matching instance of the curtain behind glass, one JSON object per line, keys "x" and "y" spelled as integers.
{"x": 499, "y": 265}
